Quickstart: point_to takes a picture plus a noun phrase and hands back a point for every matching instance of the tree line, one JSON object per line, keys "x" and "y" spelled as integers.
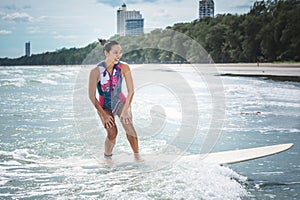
{"x": 64, "y": 56}
{"x": 269, "y": 32}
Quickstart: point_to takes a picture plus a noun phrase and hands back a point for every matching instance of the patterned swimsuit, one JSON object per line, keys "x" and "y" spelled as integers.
{"x": 109, "y": 88}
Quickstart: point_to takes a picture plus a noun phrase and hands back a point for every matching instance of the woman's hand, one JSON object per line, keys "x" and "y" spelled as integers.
{"x": 126, "y": 117}
{"x": 107, "y": 119}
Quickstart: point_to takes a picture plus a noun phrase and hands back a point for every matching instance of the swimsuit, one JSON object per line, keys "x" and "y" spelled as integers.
{"x": 109, "y": 88}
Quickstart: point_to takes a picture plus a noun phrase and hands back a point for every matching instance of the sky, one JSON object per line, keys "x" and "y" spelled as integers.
{"x": 57, "y": 24}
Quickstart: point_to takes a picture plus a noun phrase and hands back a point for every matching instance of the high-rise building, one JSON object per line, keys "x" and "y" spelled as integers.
{"x": 134, "y": 26}
{"x": 129, "y": 22}
{"x": 206, "y": 8}
{"x": 27, "y": 49}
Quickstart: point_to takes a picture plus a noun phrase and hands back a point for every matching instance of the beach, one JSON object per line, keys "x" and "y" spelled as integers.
{"x": 280, "y": 71}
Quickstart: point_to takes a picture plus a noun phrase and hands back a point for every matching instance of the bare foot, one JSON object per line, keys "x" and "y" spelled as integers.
{"x": 138, "y": 158}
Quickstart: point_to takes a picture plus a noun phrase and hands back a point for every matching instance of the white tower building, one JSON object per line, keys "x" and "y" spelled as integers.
{"x": 129, "y": 22}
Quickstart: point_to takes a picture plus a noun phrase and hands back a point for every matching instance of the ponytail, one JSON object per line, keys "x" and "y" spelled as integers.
{"x": 107, "y": 44}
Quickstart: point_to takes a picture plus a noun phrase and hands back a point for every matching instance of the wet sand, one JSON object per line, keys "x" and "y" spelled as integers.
{"x": 279, "y": 72}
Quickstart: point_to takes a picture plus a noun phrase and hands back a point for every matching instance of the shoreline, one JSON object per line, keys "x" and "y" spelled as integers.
{"x": 268, "y": 77}
{"x": 279, "y": 65}
{"x": 272, "y": 71}
{"x": 269, "y": 71}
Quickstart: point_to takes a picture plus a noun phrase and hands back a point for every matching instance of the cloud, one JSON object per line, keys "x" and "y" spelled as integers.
{"x": 233, "y": 6}
{"x": 14, "y": 7}
{"x": 140, "y": 1}
{"x": 241, "y": 4}
{"x": 34, "y": 30}
{"x": 243, "y": 7}
{"x": 119, "y": 3}
{"x": 26, "y": 6}
{"x": 161, "y": 13}
{"x": 5, "y": 32}
{"x": 111, "y": 3}
{"x": 70, "y": 38}
{"x": 11, "y": 7}
{"x": 236, "y": 5}
{"x": 18, "y": 17}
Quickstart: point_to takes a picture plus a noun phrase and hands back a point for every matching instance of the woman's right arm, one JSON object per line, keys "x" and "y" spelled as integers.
{"x": 93, "y": 80}
{"x": 107, "y": 120}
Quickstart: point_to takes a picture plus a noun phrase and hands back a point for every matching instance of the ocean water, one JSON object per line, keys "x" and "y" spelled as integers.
{"x": 51, "y": 140}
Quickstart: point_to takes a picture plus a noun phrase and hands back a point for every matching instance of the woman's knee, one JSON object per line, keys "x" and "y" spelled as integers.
{"x": 131, "y": 136}
{"x": 112, "y": 133}
{"x": 129, "y": 129}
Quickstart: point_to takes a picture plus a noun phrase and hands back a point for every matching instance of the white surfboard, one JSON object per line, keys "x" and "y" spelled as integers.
{"x": 236, "y": 156}
{"x": 224, "y": 157}
{"x": 159, "y": 160}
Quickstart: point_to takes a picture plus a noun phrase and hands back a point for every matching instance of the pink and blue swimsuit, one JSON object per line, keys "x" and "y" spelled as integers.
{"x": 109, "y": 88}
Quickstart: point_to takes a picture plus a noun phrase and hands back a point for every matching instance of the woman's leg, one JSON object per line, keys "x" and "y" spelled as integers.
{"x": 110, "y": 140}
{"x": 131, "y": 136}
{"x": 111, "y": 136}
{"x": 133, "y": 140}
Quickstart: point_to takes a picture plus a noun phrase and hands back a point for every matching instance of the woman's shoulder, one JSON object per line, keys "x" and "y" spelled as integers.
{"x": 95, "y": 70}
{"x": 124, "y": 67}
{"x": 124, "y": 64}
{"x": 101, "y": 64}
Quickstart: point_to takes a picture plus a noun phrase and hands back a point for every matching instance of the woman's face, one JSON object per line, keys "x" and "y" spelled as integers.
{"x": 115, "y": 54}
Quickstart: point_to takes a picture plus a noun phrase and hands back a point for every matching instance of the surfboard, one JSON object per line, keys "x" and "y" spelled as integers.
{"x": 242, "y": 155}
{"x": 221, "y": 158}
{"x": 158, "y": 160}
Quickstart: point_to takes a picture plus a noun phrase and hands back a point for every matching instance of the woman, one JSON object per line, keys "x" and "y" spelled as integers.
{"x": 107, "y": 77}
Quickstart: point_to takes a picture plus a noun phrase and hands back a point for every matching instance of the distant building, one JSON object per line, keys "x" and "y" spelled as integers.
{"x": 134, "y": 26}
{"x": 129, "y": 22}
{"x": 206, "y": 8}
{"x": 27, "y": 49}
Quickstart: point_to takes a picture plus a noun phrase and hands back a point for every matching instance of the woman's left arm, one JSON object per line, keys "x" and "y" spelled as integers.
{"x": 126, "y": 113}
